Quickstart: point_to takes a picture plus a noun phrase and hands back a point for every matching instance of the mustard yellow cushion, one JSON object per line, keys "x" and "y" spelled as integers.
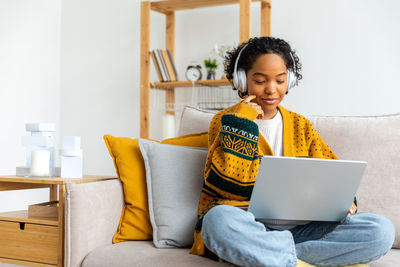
{"x": 135, "y": 220}
{"x": 305, "y": 264}
{"x": 192, "y": 140}
{"x": 128, "y": 161}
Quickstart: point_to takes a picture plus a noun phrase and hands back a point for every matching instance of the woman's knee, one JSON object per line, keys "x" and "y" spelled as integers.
{"x": 224, "y": 219}
{"x": 220, "y": 216}
{"x": 380, "y": 229}
{"x": 216, "y": 222}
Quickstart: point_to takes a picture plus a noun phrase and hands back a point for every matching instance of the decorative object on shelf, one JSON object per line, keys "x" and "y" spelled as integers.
{"x": 40, "y": 163}
{"x": 193, "y": 73}
{"x": 168, "y": 126}
{"x": 39, "y": 151}
{"x": 71, "y": 157}
{"x": 211, "y": 66}
{"x": 216, "y": 98}
{"x": 220, "y": 51}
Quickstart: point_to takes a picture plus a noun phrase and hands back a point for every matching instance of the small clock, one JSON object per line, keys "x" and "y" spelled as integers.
{"x": 193, "y": 73}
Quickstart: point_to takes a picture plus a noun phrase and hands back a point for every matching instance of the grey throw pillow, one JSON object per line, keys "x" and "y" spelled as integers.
{"x": 194, "y": 120}
{"x": 174, "y": 176}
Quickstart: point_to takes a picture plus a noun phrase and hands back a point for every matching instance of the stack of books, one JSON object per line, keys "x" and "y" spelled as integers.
{"x": 164, "y": 65}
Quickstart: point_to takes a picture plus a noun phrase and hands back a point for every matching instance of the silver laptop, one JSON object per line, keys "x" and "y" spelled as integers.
{"x": 307, "y": 189}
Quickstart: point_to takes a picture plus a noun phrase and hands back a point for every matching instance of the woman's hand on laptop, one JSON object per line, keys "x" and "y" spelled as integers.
{"x": 248, "y": 101}
{"x": 353, "y": 209}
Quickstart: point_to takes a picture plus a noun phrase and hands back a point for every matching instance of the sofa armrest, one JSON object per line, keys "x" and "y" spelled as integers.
{"x": 92, "y": 214}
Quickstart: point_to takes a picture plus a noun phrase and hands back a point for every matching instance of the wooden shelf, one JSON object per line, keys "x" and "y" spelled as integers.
{"x": 43, "y": 181}
{"x": 208, "y": 83}
{"x": 174, "y": 5}
{"x": 22, "y": 216}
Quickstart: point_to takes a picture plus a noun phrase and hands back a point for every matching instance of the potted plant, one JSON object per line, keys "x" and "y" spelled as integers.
{"x": 211, "y": 65}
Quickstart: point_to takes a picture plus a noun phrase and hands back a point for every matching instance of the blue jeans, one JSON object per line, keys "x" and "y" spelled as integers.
{"x": 235, "y": 236}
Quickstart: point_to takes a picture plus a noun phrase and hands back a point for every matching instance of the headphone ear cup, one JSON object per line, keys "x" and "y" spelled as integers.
{"x": 235, "y": 80}
{"x": 242, "y": 81}
{"x": 291, "y": 80}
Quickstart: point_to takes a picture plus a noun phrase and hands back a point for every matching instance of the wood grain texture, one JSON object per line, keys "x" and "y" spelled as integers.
{"x": 145, "y": 70}
{"x": 173, "y": 5}
{"x": 25, "y": 263}
{"x": 170, "y": 33}
{"x": 265, "y": 18}
{"x": 23, "y": 216}
{"x": 47, "y": 209}
{"x": 7, "y": 180}
{"x": 6, "y": 186}
{"x": 209, "y": 83}
{"x": 61, "y": 230}
{"x": 245, "y": 20}
{"x": 32, "y": 242}
{"x": 53, "y": 192}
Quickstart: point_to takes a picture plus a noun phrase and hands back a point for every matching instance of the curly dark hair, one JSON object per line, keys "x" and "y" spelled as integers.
{"x": 260, "y": 46}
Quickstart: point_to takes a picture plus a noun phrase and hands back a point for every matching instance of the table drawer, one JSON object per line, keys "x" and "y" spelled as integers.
{"x": 30, "y": 242}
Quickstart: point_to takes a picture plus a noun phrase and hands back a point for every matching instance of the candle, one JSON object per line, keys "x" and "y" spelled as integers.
{"x": 168, "y": 126}
{"x": 40, "y": 163}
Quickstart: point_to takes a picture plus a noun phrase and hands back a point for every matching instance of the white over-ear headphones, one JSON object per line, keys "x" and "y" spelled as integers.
{"x": 240, "y": 80}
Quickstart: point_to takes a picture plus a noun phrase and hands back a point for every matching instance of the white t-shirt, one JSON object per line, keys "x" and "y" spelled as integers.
{"x": 272, "y": 130}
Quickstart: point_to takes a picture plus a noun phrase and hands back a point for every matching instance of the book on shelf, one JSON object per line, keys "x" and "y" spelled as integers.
{"x": 160, "y": 66}
{"x": 169, "y": 65}
{"x": 157, "y": 66}
{"x": 173, "y": 64}
{"x": 164, "y": 65}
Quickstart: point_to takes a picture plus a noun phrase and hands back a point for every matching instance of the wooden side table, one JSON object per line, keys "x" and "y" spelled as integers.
{"x": 36, "y": 241}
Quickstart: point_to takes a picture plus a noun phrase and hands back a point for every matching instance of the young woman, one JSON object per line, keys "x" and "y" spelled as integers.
{"x": 263, "y": 70}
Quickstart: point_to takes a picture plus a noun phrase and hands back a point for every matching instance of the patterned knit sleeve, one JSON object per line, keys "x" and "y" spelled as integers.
{"x": 232, "y": 164}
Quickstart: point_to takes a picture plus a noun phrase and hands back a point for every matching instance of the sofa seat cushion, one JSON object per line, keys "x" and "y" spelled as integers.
{"x": 144, "y": 253}
{"x": 391, "y": 259}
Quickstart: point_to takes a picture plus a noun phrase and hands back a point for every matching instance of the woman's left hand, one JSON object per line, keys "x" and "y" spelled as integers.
{"x": 353, "y": 209}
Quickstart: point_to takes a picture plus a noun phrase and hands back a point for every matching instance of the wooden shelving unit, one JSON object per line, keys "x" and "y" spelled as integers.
{"x": 168, "y": 8}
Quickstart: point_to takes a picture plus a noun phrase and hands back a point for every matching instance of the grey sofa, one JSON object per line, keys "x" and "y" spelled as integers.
{"x": 93, "y": 210}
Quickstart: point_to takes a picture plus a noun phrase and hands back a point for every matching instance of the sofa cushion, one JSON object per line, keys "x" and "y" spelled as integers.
{"x": 373, "y": 139}
{"x": 174, "y": 176}
{"x": 135, "y": 220}
{"x": 194, "y": 120}
{"x": 192, "y": 140}
{"x": 143, "y": 253}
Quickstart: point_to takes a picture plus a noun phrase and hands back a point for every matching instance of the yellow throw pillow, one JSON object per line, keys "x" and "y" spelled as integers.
{"x": 128, "y": 161}
{"x": 192, "y": 140}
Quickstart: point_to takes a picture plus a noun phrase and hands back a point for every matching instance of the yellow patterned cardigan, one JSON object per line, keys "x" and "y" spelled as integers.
{"x": 234, "y": 150}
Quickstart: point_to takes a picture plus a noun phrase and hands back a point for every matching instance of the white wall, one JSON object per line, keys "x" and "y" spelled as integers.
{"x": 348, "y": 48}
{"x": 29, "y": 83}
{"x": 100, "y": 75}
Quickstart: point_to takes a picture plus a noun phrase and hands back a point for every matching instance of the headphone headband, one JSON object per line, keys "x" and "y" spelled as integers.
{"x": 237, "y": 59}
